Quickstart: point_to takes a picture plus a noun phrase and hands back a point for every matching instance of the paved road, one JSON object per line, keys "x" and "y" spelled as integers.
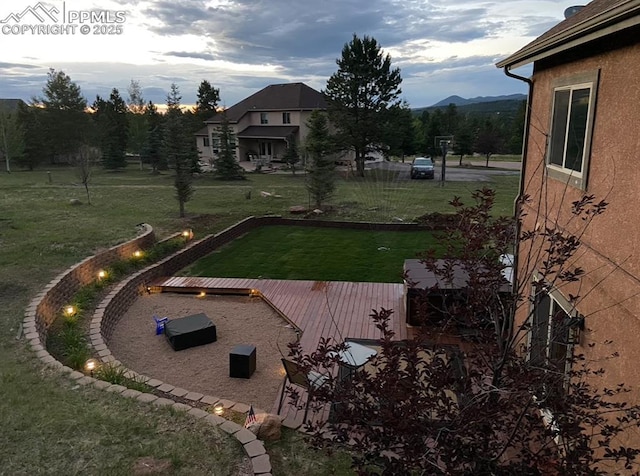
{"x": 475, "y": 173}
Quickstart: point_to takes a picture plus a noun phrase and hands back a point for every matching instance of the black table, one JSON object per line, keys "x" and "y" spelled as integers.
{"x": 190, "y": 331}
{"x": 242, "y": 361}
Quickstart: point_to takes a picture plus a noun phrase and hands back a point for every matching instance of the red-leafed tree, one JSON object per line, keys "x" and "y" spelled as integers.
{"x": 493, "y": 400}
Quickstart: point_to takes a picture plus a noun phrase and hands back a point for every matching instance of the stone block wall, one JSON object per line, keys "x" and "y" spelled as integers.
{"x": 64, "y": 286}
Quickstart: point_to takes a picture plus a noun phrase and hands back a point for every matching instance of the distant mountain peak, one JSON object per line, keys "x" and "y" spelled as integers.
{"x": 460, "y": 101}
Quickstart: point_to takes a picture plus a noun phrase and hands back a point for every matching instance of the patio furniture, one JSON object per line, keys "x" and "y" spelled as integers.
{"x": 242, "y": 361}
{"x": 190, "y": 331}
{"x": 296, "y": 376}
{"x": 160, "y": 323}
{"x": 352, "y": 358}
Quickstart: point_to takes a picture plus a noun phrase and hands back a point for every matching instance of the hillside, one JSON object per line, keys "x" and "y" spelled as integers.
{"x": 459, "y": 101}
{"x": 507, "y": 107}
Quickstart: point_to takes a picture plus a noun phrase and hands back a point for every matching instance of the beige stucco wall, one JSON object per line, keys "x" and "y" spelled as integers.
{"x": 610, "y": 252}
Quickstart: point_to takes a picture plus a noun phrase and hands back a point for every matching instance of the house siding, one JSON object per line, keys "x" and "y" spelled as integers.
{"x": 610, "y": 252}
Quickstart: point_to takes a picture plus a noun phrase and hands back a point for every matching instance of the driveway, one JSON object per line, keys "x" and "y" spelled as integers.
{"x": 454, "y": 173}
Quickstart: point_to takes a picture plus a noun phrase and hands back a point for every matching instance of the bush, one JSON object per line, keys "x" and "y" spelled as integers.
{"x": 116, "y": 375}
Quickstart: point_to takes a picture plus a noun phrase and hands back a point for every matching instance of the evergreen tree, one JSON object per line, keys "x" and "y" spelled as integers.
{"x": 152, "y": 152}
{"x": 207, "y": 100}
{"x": 321, "y": 177}
{"x": 30, "y": 120}
{"x": 178, "y": 149}
{"x": 226, "y": 164}
{"x": 137, "y": 120}
{"x": 399, "y": 135}
{"x": 113, "y": 127}
{"x": 291, "y": 156}
{"x": 360, "y": 94}
{"x": 65, "y": 124}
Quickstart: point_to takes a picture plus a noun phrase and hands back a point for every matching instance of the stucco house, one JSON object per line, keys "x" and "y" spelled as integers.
{"x": 583, "y": 138}
{"x": 265, "y": 122}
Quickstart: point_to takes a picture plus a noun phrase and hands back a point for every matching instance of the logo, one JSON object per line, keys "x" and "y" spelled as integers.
{"x": 45, "y": 19}
{"x": 39, "y": 11}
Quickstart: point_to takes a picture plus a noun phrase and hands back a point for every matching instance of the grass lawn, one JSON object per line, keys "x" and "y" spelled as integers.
{"x": 50, "y": 426}
{"x": 323, "y": 254}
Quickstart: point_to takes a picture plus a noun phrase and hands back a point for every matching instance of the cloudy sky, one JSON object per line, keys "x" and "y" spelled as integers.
{"x": 443, "y": 47}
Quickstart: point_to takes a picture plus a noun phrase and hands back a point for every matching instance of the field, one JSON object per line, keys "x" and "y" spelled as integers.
{"x": 51, "y": 427}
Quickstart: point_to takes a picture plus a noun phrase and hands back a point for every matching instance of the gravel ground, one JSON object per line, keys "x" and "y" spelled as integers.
{"x": 205, "y": 369}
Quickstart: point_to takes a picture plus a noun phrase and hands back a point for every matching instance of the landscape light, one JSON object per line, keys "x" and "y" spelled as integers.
{"x": 202, "y": 294}
{"x": 69, "y": 310}
{"x": 218, "y": 409}
{"x": 137, "y": 254}
{"x": 90, "y": 365}
{"x": 102, "y": 274}
{"x": 187, "y": 234}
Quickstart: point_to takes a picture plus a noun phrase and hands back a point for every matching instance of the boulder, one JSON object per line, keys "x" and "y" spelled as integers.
{"x": 75, "y": 201}
{"x": 297, "y": 209}
{"x": 267, "y": 427}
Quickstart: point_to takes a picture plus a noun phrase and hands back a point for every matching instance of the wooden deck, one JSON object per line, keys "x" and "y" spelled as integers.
{"x": 333, "y": 309}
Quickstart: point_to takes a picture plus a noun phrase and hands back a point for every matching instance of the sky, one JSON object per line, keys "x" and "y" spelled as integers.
{"x": 442, "y": 47}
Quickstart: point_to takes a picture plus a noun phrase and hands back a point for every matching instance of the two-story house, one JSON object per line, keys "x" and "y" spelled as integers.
{"x": 583, "y": 138}
{"x": 265, "y": 123}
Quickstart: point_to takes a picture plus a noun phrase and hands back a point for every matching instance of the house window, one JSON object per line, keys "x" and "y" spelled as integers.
{"x": 571, "y": 125}
{"x": 286, "y": 118}
{"x": 205, "y": 141}
{"x": 215, "y": 143}
{"x": 554, "y": 330}
{"x": 264, "y": 118}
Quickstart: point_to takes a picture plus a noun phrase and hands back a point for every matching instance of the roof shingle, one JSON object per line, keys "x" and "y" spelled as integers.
{"x": 289, "y": 96}
{"x": 593, "y": 17}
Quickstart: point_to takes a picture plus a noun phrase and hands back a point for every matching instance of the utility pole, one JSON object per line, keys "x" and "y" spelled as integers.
{"x": 444, "y": 145}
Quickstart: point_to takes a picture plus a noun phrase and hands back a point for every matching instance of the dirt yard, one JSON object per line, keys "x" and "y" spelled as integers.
{"x": 205, "y": 369}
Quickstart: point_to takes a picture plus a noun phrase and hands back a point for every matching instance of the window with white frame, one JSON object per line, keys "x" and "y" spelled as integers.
{"x": 571, "y": 127}
{"x": 264, "y": 118}
{"x": 286, "y": 118}
{"x": 205, "y": 141}
{"x": 550, "y": 333}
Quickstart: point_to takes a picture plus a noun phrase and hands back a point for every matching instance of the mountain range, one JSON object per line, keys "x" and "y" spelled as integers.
{"x": 459, "y": 101}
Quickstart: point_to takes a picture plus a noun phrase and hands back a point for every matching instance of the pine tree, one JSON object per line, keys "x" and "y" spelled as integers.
{"x": 113, "y": 128}
{"x": 178, "y": 149}
{"x": 65, "y": 124}
{"x": 360, "y": 94}
{"x": 226, "y": 164}
{"x": 152, "y": 152}
{"x": 321, "y": 177}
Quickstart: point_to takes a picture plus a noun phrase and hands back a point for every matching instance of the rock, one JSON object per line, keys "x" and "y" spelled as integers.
{"x": 296, "y": 209}
{"x": 75, "y": 201}
{"x": 397, "y": 219}
{"x": 265, "y": 194}
{"x": 267, "y": 427}
{"x": 317, "y": 211}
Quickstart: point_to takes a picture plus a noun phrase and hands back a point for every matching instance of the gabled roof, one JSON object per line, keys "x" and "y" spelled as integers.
{"x": 596, "y": 20}
{"x": 276, "y": 97}
{"x": 10, "y": 104}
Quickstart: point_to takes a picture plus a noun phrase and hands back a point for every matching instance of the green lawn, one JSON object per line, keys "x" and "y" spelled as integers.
{"x": 49, "y": 426}
{"x": 323, "y": 254}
